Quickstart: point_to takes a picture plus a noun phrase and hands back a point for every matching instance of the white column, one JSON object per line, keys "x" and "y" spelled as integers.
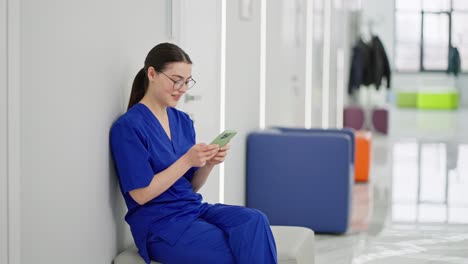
{"x": 243, "y": 78}
{"x": 14, "y": 130}
{"x": 326, "y": 64}
{"x": 3, "y": 136}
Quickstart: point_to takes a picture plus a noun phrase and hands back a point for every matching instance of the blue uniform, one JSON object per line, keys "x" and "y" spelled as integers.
{"x": 176, "y": 226}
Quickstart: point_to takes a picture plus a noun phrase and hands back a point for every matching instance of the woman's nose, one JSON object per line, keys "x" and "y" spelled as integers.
{"x": 183, "y": 89}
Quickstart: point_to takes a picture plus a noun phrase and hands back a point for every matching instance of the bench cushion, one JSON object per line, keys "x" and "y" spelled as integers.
{"x": 295, "y": 245}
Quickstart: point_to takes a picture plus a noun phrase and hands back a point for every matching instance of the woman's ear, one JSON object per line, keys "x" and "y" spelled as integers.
{"x": 151, "y": 74}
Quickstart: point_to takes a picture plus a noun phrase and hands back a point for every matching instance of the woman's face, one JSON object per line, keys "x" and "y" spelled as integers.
{"x": 162, "y": 86}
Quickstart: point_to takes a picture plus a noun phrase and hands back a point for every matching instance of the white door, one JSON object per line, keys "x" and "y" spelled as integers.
{"x": 199, "y": 34}
{"x": 3, "y": 135}
{"x": 285, "y": 58}
{"x": 317, "y": 63}
{"x": 335, "y": 36}
{"x": 242, "y": 90}
{"x": 337, "y": 66}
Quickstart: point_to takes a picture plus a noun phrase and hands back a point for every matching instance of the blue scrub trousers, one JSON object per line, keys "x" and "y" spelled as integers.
{"x": 222, "y": 234}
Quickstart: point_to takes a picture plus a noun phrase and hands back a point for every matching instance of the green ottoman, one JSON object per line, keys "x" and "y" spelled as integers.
{"x": 407, "y": 99}
{"x": 427, "y": 100}
{"x": 437, "y": 100}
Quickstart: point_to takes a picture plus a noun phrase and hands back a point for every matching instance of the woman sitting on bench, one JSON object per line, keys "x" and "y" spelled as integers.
{"x": 160, "y": 170}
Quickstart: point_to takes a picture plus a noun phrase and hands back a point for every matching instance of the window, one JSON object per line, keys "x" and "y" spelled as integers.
{"x": 425, "y": 29}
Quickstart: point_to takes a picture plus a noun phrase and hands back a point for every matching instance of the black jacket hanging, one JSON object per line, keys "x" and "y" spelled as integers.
{"x": 380, "y": 67}
{"x": 454, "y": 62}
{"x": 359, "y": 71}
{"x": 355, "y": 74}
{"x": 369, "y": 65}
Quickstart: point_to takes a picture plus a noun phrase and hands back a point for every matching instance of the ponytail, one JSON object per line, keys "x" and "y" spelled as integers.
{"x": 158, "y": 58}
{"x": 140, "y": 84}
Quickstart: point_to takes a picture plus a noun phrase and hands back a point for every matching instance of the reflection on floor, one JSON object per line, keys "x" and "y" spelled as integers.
{"x": 415, "y": 207}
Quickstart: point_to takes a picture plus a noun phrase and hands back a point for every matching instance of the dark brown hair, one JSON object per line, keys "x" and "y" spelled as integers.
{"x": 158, "y": 58}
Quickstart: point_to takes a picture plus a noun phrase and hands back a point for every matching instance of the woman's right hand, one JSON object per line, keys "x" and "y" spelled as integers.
{"x": 199, "y": 154}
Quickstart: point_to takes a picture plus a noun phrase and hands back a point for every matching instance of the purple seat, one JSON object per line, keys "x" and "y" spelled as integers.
{"x": 353, "y": 117}
{"x": 380, "y": 120}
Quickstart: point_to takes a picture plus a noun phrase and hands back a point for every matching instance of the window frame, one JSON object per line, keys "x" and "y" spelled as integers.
{"x": 422, "y": 13}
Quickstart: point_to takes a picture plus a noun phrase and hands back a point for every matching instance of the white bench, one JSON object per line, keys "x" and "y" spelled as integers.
{"x": 295, "y": 245}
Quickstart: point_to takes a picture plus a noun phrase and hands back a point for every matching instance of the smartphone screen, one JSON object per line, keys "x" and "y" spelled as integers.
{"x": 224, "y": 137}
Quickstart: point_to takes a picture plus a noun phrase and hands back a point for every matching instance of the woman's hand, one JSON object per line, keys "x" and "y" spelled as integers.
{"x": 220, "y": 156}
{"x": 199, "y": 154}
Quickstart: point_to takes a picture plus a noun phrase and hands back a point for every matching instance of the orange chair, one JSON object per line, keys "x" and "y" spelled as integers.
{"x": 363, "y": 141}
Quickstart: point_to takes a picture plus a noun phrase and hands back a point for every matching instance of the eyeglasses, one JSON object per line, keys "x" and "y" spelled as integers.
{"x": 180, "y": 83}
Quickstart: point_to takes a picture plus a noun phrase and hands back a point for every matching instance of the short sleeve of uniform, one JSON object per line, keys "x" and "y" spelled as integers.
{"x": 131, "y": 158}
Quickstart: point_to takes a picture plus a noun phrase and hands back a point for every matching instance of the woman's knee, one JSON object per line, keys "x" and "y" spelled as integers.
{"x": 258, "y": 216}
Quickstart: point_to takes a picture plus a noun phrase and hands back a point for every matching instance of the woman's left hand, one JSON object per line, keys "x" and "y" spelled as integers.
{"x": 220, "y": 156}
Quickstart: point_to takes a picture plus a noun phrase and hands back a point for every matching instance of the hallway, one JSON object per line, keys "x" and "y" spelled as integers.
{"x": 415, "y": 207}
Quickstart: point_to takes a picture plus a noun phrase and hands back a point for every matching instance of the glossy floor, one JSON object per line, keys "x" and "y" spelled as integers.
{"x": 415, "y": 207}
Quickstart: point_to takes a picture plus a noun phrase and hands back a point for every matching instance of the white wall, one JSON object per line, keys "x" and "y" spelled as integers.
{"x": 242, "y": 92}
{"x": 78, "y": 59}
{"x": 3, "y": 136}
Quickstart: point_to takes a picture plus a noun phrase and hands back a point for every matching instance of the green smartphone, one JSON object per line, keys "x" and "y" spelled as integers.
{"x": 224, "y": 137}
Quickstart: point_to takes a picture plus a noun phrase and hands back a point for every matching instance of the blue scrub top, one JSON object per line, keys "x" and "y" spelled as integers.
{"x": 141, "y": 149}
